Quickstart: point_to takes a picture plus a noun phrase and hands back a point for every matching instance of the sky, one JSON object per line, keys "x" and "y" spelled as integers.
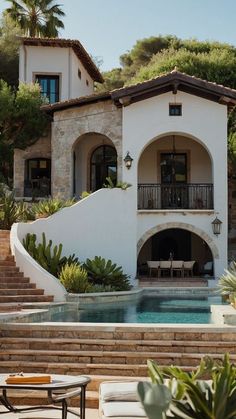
{"x": 109, "y": 28}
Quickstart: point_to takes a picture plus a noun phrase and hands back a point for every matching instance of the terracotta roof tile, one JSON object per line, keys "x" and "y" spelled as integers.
{"x": 96, "y": 97}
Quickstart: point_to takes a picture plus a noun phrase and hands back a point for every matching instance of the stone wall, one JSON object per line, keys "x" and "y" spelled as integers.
{"x": 42, "y": 148}
{"x": 68, "y": 126}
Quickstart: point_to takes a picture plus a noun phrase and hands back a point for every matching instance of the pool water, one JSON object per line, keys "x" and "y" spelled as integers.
{"x": 149, "y": 309}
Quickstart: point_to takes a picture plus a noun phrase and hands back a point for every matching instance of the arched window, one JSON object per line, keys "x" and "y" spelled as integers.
{"x": 103, "y": 165}
{"x": 38, "y": 177}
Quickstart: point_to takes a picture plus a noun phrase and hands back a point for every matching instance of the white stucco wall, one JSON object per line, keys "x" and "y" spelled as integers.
{"x": 57, "y": 61}
{"x": 104, "y": 224}
{"x": 202, "y": 120}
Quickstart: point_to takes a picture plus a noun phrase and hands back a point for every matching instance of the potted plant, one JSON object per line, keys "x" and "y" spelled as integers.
{"x": 188, "y": 395}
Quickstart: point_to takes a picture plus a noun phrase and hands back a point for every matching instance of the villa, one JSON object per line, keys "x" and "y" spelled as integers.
{"x": 166, "y": 137}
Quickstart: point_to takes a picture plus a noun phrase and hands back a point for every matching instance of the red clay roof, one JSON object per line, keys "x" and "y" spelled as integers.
{"x": 68, "y": 43}
{"x": 175, "y": 80}
{"x": 59, "y": 106}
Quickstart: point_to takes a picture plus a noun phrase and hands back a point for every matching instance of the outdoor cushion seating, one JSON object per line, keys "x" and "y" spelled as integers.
{"x": 188, "y": 267}
{"x": 153, "y": 265}
{"x": 119, "y": 400}
{"x": 165, "y": 266}
{"x": 177, "y": 266}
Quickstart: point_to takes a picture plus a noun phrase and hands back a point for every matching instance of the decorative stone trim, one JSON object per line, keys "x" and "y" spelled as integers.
{"x": 183, "y": 226}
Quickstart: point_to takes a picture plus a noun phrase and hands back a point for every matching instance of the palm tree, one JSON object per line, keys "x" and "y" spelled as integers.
{"x": 37, "y": 18}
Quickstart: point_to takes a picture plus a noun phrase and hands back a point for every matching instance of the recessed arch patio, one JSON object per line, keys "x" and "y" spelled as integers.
{"x": 189, "y": 227}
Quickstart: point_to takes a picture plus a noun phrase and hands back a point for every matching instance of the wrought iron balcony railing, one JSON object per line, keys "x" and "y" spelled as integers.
{"x": 175, "y": 196}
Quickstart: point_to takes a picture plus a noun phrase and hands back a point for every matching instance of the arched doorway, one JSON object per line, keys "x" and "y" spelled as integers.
{"x": 103, "y": 164}
{"x": 177, "y": 244}
{"x": 175, "y": 172}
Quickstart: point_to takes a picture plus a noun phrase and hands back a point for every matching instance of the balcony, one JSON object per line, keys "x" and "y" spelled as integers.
{"x": 175, "y": 196}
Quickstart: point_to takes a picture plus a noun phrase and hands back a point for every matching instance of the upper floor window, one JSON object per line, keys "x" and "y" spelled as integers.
{"x": 49, "y": 87}
{"x": 175, "y": 109}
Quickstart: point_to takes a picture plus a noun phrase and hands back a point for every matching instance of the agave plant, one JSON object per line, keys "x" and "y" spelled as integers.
{"x": 105, "y": 272}
{"x": 12, "y": 211}
{"x": 227, "y": 282}
{"x": 48, "y": 207}
{"x": 110, "y": 184}
{"x": 188, "y": 395}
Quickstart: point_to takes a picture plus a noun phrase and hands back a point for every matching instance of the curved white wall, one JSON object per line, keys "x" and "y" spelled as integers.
{"x": 103, "y": 224}
{"x": 32, "y": 269}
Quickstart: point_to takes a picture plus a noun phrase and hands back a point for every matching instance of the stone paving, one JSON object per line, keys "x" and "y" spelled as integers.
{"x": 47, "y": 414}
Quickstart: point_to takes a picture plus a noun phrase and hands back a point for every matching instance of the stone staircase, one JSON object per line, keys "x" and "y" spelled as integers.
{"x": 107, "y": 351}
{"x": 15, "y": 289}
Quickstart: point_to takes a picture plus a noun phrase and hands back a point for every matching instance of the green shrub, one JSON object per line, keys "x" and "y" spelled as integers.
{"x": 74, "y": 278}
{"x": 110, "y": 184}
{"x": 84, "y": 194}
{"x": 188, "y": 395}
{"x": 48, "y": 207}
{"x": 227, "y": 282}
{"x": 48, "y": 256}
{"x": 104, "y": 272}
{"x": 12, "y": 211}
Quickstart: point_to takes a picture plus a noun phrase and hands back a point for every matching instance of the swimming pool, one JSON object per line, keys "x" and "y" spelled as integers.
{"x": 148, "y": 309}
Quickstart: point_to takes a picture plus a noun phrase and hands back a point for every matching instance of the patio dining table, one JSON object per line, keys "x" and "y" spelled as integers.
{"x": 59, "y": 390}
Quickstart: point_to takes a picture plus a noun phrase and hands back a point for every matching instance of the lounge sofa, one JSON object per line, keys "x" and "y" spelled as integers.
{"x": 119, "y": 400}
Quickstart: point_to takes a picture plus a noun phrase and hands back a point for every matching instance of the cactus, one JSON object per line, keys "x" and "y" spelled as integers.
{"x": 47, "y": 255}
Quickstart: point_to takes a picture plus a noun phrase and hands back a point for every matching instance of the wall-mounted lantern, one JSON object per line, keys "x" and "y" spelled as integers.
{"x": 128, "y": 160}
{"x": 216, "y": 226}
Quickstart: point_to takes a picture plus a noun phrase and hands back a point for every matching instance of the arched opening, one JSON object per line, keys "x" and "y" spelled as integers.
{"x": 177, "y": 244}
{"x": 37, "y": 177}
{"x": 175, "y": 172}
{"x": 94, "y": 158}
{"x": 103, "y": 164}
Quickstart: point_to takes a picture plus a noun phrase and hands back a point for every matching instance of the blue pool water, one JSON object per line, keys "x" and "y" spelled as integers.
{"x": 149, "y": 309}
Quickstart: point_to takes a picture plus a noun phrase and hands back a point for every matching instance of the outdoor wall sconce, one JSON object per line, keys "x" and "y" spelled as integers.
{"x": 128, "y": 160}
{"x": 216, "y": 226}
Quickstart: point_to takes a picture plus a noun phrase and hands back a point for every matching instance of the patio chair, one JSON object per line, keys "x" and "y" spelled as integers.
{"x": 165, "y": 266}
{"x": 119, "y": 399}
{"x": 188, "y": 267}
{"x": 153, "y": 265}
{"x": 178, "y": 267}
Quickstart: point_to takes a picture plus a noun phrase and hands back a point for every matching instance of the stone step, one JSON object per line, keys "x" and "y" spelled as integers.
{"x": 9, "y": 308}
{"x": 122, "y": 370}
{"x": 19, "y": 279}
{"x": 106, "y": 358}
{"x": 7, "y": 263}
{"x": 17, "y": 285}
{"x": 24, "y": 291}
{"x": 119, "y": 345}
{"x": 8, "y": 258}
{"x": 4, "y": 269}
{"x": 25, "y": 298}
{"x": 11, "y": 274}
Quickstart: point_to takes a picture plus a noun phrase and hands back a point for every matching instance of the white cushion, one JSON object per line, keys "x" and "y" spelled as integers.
{"x": 126, "y": 391}
{"x": 130, "y": 409}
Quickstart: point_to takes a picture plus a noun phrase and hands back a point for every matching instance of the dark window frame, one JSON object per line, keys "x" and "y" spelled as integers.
{"x": 48, "y": 92}
{"x": 175, "y": 109}
{"x": 105, "y": 165}
{"x": 173, "y": 164}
